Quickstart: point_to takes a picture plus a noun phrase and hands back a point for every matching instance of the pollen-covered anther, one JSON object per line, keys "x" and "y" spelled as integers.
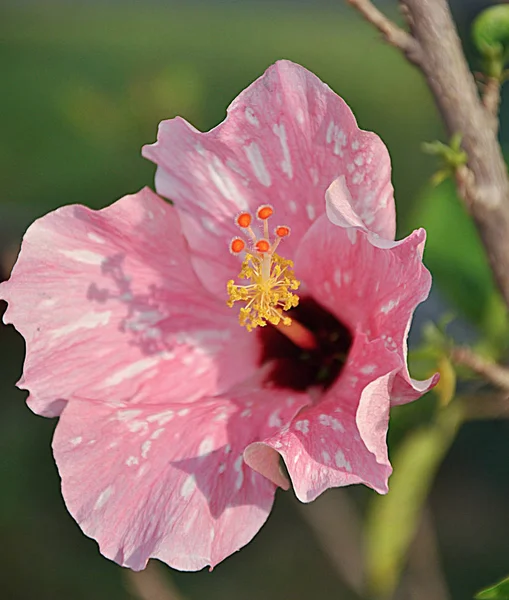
{"x": 244, "y": 220}
{"x": 282, "y": 231}
{"x": 262, "y": 246}
{"x": 264, "y": 212}
{"x": 237, "y": 245}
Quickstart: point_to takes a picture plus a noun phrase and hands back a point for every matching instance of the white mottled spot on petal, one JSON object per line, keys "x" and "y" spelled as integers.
{"x": 258, "y": 165}
{"x": 251, "y": 117}
{"x": 337, "y": 426}
{"x": 128, "y": 414}
{"x": 222, "y": 415}
{"x": 209, "y": 224}
{"x": 325, "y": 456}
{"x": 76, "y": 441}
{"x": 275, "y": 420}
{"x": 292, "y": 205}
{"x": 222, "y": 468}
{"x": 330, "y": 132}
{"x": 136, "y": 368}
{"x": 368, "y": 369}
{"x": 341, "y": 461}
{"x": 88, "y": 321}
{"x": 95, "y": 238}
{"x": 103, "y": 497}
{"x": 48, "y": 302}
{"x": 206, "y": 447}
{"x": 246, "y": 412}
{"x": 157, "y": 433}
{"x": 161, "y": 418}
{"x": 389, "y": 306}
{"x": 302, "y": 426}
{"x": 347, "y": 278}
{"x": 188, "y": 360}
{"x": 145, "y": 447}
{"x": 137, "y": 426}
{"x": 86, "y": 257}
{"x": 355, "y": 145}
{"x": 337, "y": 135}
{"x": 239, "y": 481}
{"x": 350, "y": 167}
{"x": 327, "y": 287}
{"x": 237, "y": 465}
{"x": 359, "y": 160}
{"x": 324, "y": 420}
{"x": 131, "y": 461}
{"x": 310, "y": 210}
{"x": 337, "y": 277}
{"x": 357, "y": 178}
{"x": 143, "y": 469}
{"x": 286, "y": 164}
{"x": 188, "y": 486}
{"x": 225, "y": 184}
{"x": 183, "y": 412}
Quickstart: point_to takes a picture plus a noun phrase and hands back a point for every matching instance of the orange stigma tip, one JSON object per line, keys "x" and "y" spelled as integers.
{"x": 262, "y": 246}
{"x": 244, "y": 220}
{"x": 282, "y": 231}
{"x": 237, "y": 245}
{"x": 264, "y": 212}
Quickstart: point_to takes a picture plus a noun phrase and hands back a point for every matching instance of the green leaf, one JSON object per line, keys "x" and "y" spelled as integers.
{"x": 499, "y": 591}
{"x": 393, "y": 519}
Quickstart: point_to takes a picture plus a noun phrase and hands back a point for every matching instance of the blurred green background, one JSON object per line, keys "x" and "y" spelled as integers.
{"x": 83, "y": 87}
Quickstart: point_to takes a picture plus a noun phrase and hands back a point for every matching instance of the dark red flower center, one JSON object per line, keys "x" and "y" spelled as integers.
{"x": 299, "y": 369}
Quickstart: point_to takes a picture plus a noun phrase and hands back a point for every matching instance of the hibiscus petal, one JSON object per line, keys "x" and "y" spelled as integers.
{"x": 370, "y": 284}
{"x": 342, "y": 439}
{"x": 285, "y": 139}
{"x": 110, "y": 307}
{"x": 169, "y": 481}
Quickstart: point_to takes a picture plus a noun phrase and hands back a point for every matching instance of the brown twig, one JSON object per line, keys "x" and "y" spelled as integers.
{"x": 485, "y": 406}
{"x": 484, "y": 182}
{"x": 491, "y": 99}
{"x": 393, "y": 34}
{"x": 489, "y": 370}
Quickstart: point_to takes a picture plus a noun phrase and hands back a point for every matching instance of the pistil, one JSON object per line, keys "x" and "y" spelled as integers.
{"x": 271, "y": 280}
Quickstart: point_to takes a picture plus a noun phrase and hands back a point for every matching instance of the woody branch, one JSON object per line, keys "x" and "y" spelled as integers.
{"x": 433, "y": 45}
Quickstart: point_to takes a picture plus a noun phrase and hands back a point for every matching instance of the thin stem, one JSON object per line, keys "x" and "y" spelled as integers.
{"x": 485, "y": 406}
{"x": 489, "y": 370}
{"x": 393, "y": 34}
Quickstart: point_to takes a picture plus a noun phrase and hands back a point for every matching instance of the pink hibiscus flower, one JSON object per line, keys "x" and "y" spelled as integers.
{"x": 175, "y": 408}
